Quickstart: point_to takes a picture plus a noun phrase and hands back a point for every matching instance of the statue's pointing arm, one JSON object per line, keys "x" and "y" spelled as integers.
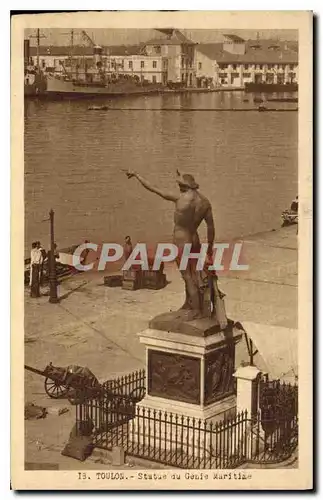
{"x": 149, "y": 187}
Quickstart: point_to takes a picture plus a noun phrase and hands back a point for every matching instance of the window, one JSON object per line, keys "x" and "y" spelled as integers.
{"x": 130, "y": 64}
{"x": 154, "y": 64}
{"x": 200, "y": 65}
{"x": 234, "y": 66}
{"x": 183, "y": 77}
{"x": 246, "y": 75}
{"x": 43, "y": 63}
{"x": 142, "y": 64}
{"x": 165, "y": 63}
{"x": 222, "y": 66}
{"x": 246, "y": 66}
{"x": 154, "y": 79}
{"x": 183, "y": 62}
{"x": 157, "y": 49}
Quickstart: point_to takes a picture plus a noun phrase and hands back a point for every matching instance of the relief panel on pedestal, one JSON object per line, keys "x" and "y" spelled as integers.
{"x": 174, "y": 376}
{"x": 219, "y": 380}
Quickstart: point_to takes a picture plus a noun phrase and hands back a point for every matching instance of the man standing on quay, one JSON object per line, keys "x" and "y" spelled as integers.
{"x": 36, "y": 261}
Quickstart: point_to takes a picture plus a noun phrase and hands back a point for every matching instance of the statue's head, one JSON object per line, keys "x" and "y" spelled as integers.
{"x": 186, "y": 182}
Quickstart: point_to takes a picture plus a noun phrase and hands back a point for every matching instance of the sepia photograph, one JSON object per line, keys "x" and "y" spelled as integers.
{"x": 162, "y": 211}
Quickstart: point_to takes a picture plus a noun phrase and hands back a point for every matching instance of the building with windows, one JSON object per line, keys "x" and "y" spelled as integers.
{"x": 173, "y": 59}
{"x": 178, "y": 53}
{"x": 145, "y": 68}
{"x": 169, "y": 58}
{"x": 235, "y": 62}
{"x": 126, "y": 60}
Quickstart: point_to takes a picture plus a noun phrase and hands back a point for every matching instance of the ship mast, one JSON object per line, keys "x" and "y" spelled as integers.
{"x": 38, "y": 44}
{"x": 38, "y": 36}
{"x": 72, "y": 43}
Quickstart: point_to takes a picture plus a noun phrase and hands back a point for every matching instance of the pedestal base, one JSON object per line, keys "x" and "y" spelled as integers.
{"x": 190, "y": 390}
{"x": 225, "y": 408}
{"x": 181, "y": 430}
{"x": 191, "y": 374}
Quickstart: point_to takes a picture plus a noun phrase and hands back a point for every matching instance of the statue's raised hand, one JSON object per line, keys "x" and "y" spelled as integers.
{"x": 130, "y": 174}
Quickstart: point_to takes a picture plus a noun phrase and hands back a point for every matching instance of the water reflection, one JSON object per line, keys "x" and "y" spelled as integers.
{"x": 245, "y": 162}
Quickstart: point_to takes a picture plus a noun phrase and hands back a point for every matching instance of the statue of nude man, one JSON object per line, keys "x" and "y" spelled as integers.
{"x": 191, "y": 208}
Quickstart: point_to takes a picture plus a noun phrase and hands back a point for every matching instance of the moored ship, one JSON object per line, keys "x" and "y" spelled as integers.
{"x": 82, "y": 78}
{"x": 35, "y": 83}
{"x": 63, "y": 87}
{"x": 271, "y": 87}
{"x": 34, "y": 79}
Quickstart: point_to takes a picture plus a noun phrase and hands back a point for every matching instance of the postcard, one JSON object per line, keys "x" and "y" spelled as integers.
{"x": 161, "y": 251}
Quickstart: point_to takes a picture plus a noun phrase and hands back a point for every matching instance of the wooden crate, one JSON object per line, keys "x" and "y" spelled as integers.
{"x": 113, "y": 281}
{"x": 132, "y": 274}
{"x": 132, "y": 280}
{"x": 153, "y": 280}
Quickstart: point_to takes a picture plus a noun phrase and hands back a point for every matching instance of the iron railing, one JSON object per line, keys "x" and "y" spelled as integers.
{"x": 180, "y": 441}
{"x": 276, "y": 443}
{"x": 132, "y": 385}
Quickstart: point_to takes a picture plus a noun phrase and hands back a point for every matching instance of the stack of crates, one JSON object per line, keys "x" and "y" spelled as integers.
{"x": 153, "y": 280}
{"x": 132, "y": 279}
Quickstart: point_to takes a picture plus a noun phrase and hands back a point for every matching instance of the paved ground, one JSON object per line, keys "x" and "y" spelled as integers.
{"x": 96, "y": 326}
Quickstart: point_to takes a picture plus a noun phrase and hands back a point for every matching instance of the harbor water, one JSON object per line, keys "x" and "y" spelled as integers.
{"x": 245, "y": 163}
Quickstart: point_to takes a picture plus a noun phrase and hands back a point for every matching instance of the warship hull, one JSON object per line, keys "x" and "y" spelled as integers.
{"x": 271, "y": 87}
{"x": 59, "y": 88}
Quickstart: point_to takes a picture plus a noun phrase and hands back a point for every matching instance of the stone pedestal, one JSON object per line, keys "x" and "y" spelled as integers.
{"x": 190, "y": 366}
{"x": 189, "y": 370}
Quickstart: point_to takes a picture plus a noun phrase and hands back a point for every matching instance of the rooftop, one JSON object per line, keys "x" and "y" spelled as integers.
{"x": 234, "y": 38}
{"x": 171, "y": 37}
{"x": 257, "y": 51}
{"x": 81, "y": 50}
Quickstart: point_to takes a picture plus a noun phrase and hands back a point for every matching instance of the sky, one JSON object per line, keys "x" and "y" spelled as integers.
{"x": 101, "y": 36}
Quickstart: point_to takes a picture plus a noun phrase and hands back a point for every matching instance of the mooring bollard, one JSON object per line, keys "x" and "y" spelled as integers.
{"x": 117, "y": 455}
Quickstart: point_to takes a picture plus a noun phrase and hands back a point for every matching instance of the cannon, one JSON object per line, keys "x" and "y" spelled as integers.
{"x": 78, "y": 384}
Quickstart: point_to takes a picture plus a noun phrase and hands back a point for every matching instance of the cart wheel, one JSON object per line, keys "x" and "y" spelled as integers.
{"x": 55, "y": 389}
